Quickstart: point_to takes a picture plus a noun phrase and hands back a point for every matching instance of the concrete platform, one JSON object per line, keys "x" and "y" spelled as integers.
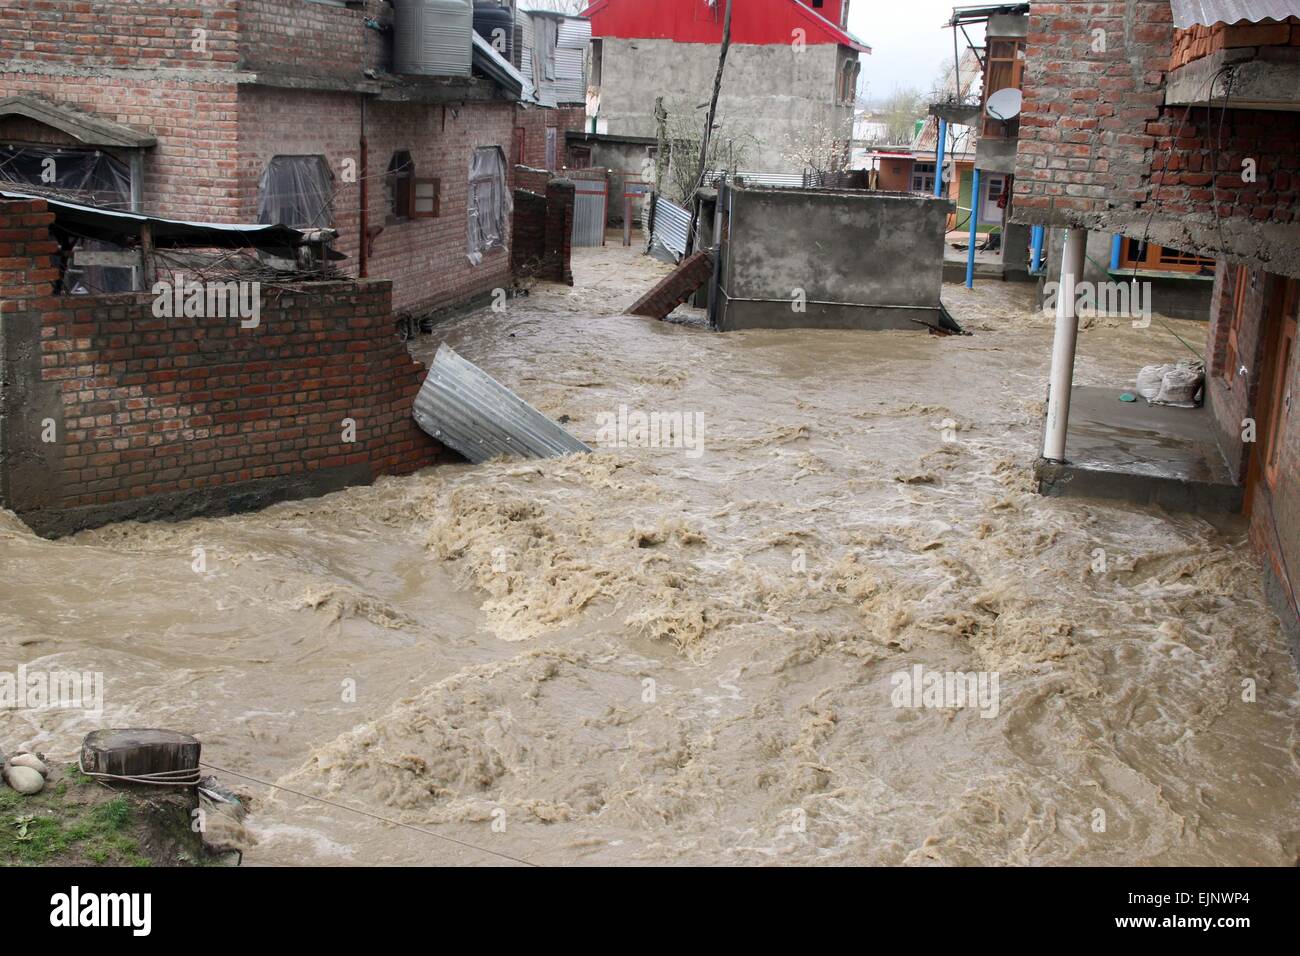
{"x": 1147, "y": 454}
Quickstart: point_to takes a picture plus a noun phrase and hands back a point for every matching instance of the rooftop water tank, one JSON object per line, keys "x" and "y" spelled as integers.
{"x": 433, "y": 37}
{"x": 496, "y": 24}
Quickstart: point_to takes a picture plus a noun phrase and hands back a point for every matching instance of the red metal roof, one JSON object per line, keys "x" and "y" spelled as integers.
{"x": 760, "y": 22}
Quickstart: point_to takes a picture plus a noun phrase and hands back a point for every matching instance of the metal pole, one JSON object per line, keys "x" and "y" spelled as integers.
{"x": 974, "y": 225}
{"x": 1067, "y": 332}
{"x": 938, "y": 158}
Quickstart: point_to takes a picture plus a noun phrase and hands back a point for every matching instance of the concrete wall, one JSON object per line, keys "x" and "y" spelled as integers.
{"x": 864, "y": 260}
{"x": 768, "y": 92}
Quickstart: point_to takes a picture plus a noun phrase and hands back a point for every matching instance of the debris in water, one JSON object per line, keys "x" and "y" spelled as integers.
{"x": 471, "y": 412}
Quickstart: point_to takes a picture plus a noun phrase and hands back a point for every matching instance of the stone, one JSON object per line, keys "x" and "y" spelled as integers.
{"x": 24, "y": 779}
{"x": 29, "y": 760}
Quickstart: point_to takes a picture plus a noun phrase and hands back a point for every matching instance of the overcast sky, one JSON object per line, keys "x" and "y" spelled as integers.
{"x": 908, "y": 42}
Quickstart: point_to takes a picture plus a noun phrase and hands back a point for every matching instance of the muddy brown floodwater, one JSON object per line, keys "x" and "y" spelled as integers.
{"x": 674, "y": 655}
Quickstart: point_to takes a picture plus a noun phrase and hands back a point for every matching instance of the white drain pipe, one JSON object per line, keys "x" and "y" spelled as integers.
{"x": 1067, "y": 331}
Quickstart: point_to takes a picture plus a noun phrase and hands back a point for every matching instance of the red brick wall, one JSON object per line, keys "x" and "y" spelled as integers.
{"x": 424, "y": 258}
{"x": 1200, "y": 41}
{"x": 1082, "y": 137}
{"x": 313, "y": 39}
{"x": 151, "y": 406}
{"x": 135, "y": 34}
{"x": 1095, "y": 137}
{"x": 188, "y": 175}
{"x": 529, "y": 134}
{"x": 215, "y": 137}
{"x": 542, "y": 244}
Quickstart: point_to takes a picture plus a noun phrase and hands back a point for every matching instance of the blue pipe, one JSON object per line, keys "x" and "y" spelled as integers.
{"x": 974, "y": 222}
{"x": 938, "y": 157}
{"x": 1116, "y": 246}
{"x": 1036, "y": 248}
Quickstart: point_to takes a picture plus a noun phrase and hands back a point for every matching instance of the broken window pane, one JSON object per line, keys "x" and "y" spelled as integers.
{"x": 489, "y": 203}
{"x": 296, "y": 191}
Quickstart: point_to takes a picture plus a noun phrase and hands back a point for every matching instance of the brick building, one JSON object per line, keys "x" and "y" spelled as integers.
{"x": 110, "y": 411}
{"x": 240, "y": 110}
{"x": 1164, "y": 124}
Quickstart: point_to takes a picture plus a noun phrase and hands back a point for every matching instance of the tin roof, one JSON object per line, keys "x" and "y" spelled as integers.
{"x": 1189, "y": 13}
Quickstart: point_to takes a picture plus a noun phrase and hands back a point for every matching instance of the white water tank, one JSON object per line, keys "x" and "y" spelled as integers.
{"x": 433, "y": 37}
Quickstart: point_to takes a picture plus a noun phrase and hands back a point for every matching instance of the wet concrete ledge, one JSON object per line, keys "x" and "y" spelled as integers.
{"x": 1061, "y": 479}
{"x": 197, "y": 503}
{"x": 1144, "y": 454}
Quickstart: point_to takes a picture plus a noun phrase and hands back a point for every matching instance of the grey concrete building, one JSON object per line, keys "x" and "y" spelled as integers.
{"x": 791, "y": 73}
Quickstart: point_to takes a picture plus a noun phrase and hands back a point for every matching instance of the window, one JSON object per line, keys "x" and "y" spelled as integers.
{"x": 1134, "y": 254}
{"x": 1005, "y": 70}
{"x": 521, "y": 146}
{"x": 923, "y": 178}
{"x": 296, "y": 191}
{"x": 1232, "y": 351}
{"x": 550, "y": 147}
{"x": 401, "y": 172}
{"x": 489, "y": 203}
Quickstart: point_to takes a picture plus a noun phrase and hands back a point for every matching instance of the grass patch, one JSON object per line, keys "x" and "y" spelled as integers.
{"x": 74, "y": 821}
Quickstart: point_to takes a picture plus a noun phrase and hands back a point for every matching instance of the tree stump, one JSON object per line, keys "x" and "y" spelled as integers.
{"x": 141, "y": 753}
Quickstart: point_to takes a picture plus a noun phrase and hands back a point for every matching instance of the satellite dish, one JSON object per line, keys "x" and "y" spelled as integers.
{"x": 1004, "y": 104}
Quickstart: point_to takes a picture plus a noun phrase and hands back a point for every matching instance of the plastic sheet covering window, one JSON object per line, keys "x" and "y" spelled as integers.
{"x": 489, "y": 203}
{"x": 296, "y": 191}
{"x": 87, "y": 176}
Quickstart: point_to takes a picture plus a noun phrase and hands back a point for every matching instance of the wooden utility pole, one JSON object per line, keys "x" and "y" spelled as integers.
{"x": 708, "y": 127}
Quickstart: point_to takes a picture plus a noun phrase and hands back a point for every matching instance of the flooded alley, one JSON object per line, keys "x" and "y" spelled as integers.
{"x": 686, "y": 655}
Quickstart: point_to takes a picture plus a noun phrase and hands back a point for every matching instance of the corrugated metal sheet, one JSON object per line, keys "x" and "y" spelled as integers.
{"x": 590, "y": 210}
{"x": 755, "y": 178}
{"x": 496, "y": 67}
{"x": 433, "y": 37}
{"x": 570, "y": 78}
{"x": 573, "y": 38}
{"x": 1189, "y": 13}
{"x": 469, "y": 411}
{"x": 542, "y": 94}
{"x": 672, "y": 223}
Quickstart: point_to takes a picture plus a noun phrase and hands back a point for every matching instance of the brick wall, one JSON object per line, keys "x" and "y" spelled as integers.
{"x": 1200, "y": 41}
{"x": 543, "y": 227}
{"x": 1098, "y": 148}
{"x": 189, "y": 174}
{"x": 529, "y": 134}
{"x": 134, "y": 34}
{"x": 297, "y": 37}
{"x": 214, "y": 136}
{"x": 163, "y": 417}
